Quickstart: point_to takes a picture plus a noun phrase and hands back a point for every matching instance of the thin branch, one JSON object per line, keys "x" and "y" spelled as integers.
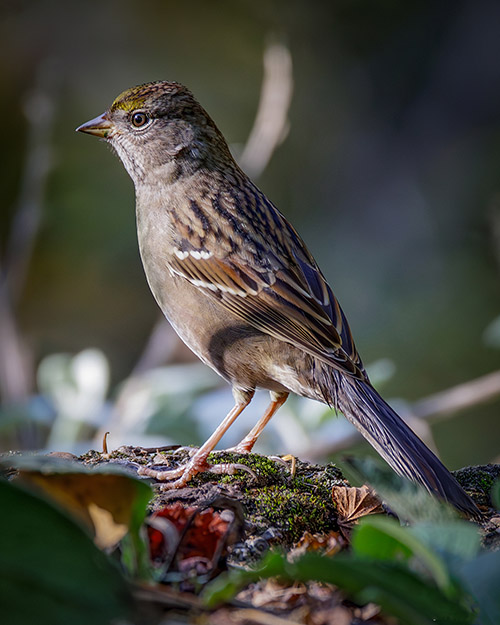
{"x": 16, "y": 372}
{"x": 16, "y": 363}
{"x": 159, "y": 348}
{"x": 271, "y": 122}
{"x": 445, "y": 404}
{"x": 39, "y": 109}
{"x": 435, "y": 408}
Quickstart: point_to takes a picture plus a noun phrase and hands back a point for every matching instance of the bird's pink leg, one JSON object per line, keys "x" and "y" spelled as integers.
{"x": 246, "y": 445}
{"x": 198, "y": 462}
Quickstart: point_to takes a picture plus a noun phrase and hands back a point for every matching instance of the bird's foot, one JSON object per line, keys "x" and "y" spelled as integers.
{"x": 179, "y": 477}
{"x": 288, "y": 461}
{"x": 191, "y": 451}
{"x": 288, "y": 458}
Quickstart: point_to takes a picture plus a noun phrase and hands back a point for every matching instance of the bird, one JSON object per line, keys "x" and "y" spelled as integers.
{"x": 239, "y": 286}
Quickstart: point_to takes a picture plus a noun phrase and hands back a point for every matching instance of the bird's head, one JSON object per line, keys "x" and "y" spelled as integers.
{"x": 158, "y": 126}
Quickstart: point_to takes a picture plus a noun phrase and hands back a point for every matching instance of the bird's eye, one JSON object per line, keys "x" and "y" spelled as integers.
{"x": 139, "y": 119}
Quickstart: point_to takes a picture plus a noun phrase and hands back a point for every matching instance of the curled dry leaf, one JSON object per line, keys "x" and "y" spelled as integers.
{"x": 190, "y": 538}
{"x": 353, "y": 503}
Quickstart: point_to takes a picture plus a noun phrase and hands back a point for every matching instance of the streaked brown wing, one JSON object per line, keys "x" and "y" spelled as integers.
{"x": 293, "y": 303}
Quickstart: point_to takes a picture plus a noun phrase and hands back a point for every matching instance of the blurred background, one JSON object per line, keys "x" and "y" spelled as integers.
{"x": 375, "y": 127}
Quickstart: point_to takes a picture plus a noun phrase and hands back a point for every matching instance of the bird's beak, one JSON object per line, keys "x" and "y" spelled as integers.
{"x": 99, "y": 126}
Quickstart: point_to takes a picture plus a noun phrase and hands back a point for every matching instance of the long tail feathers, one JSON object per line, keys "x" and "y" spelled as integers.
{"x": 397, "y": 443}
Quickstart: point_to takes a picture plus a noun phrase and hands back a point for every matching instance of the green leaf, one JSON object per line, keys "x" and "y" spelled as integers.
{"x": 223, "y": 588}
{"x": 377, "y": 540}
{"x": 383, "y": 538}
{"x": 51, "y": 572}
{"x": 108, "y": 499}
{"x": 391, "y": 585}
{"x": 455, "y": 541}
{"x": 482, "y": 577}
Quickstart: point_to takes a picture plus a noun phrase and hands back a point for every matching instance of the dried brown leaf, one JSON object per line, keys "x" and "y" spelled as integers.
{"x": 197, "y": 537}
{"x": 328, "y": 544}
{"x": 339, "y": 615}
{"x": 271, "y": 593}
{"x": 354, "y": 503}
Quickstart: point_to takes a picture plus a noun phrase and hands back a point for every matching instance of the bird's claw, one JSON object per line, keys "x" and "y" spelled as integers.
{"x": 187, "y": 449}
{"x": 284, "y": 461}
{"x": 185, "y": 472}
{"x": 230, "y": 469}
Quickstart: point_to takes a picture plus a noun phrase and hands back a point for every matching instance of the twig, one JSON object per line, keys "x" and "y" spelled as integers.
{"x": 159, "y": 347}
{"x": 443, "y": 405}
{"x": 16, "y": 368}
{"x": 271, "y": 122}
{"x": 436, "y": 407}
{"x": 16, "y": 377}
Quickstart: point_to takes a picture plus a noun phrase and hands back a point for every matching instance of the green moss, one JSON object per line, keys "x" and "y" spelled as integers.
{"x": 276, "y": 499}
{"x": 478, "y": 481}
{"x": 273, "y": 499}
{"x": 291, "y": 511}
{"x": 277, "y": 504}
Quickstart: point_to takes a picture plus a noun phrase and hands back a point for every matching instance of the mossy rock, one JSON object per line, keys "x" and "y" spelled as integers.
{"x": 277, "y": 505}
{"x": 478, "y": 481}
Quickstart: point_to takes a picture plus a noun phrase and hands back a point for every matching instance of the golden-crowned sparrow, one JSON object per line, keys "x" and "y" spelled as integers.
{"x": 239, "y": 285}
